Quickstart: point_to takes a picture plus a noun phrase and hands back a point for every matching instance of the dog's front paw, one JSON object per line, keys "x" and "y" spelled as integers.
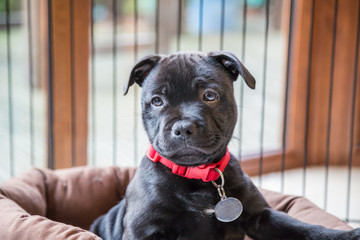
{"x": 349, "y": 235}
{"x": 354, "y": 234}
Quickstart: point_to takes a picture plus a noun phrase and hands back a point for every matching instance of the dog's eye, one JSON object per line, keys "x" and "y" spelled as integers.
{"x": 210, "y": 96}
{"x": 157, "y": 101}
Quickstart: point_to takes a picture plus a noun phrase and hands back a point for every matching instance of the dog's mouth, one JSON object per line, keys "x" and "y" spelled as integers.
{"x": 195, "y": 150}
{"x": 191, "y": 155}
{"x": 188, "y": 157}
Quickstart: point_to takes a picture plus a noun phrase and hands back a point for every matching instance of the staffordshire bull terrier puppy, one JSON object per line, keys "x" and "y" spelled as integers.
{"x": 188, "y": 186}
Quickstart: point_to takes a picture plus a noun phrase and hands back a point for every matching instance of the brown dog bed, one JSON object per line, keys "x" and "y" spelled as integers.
{"x": 61, "y": 204}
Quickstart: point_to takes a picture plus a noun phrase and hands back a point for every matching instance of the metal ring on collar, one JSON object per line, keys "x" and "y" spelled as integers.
{"x": 222, "y": 179}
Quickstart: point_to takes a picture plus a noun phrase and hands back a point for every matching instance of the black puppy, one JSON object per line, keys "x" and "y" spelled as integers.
{"x": 189, "y": 114}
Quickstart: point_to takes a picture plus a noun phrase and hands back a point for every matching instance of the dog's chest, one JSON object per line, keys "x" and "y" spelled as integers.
{"x": 193, "y": 218}
{"x": 172, "y": 207}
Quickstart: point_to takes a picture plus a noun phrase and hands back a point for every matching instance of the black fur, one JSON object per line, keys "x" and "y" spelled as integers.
{"x": 189, "y": 114}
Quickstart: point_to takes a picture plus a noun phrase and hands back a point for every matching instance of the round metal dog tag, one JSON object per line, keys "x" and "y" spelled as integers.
{"x": 228, "y": 209}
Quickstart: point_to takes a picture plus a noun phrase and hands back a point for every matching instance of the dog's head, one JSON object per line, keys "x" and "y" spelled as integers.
{"x": 188, "y": 105}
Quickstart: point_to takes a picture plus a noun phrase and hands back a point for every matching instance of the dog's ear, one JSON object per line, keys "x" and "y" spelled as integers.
{"x": 140, "y": 71}
{"x": 233, "y": 66}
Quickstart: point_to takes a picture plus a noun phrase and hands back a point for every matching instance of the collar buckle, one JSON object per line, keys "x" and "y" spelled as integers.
{"x": 202, "y": 172}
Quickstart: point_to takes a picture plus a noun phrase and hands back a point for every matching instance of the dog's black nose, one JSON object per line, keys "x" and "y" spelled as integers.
{"x": 183, "y": 129}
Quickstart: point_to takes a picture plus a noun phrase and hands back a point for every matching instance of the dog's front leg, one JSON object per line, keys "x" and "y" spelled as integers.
{"x": 155, "y": 236}
{"x": 110, "y": 225}
{"x": 271, "y": 224}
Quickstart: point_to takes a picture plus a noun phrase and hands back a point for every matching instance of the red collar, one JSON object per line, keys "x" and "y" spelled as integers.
{"x": 205, "y": 172}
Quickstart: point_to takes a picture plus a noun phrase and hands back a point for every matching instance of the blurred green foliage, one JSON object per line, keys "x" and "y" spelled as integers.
{"x": 15, "y": 5}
